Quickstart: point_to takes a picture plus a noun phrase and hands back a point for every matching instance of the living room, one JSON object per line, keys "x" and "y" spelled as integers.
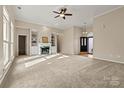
{"x": 80, "y": 43}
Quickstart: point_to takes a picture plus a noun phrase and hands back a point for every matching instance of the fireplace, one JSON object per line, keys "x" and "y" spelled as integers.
{"x": 45, "y": 48}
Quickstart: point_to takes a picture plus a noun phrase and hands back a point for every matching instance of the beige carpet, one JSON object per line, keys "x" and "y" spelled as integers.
{"x": 64, "y": 71}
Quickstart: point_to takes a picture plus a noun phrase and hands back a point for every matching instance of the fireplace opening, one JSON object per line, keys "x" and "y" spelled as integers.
{"x": 45, "y": 50}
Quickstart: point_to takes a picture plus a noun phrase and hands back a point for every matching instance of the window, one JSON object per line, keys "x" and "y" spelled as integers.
{"x": 6, "y": 37}
{"x": 12, "y": 41}
{"x": 85, "y": 42}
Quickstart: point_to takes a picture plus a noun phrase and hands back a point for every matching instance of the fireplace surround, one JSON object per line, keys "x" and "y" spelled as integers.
{"x": 45, "y": 48}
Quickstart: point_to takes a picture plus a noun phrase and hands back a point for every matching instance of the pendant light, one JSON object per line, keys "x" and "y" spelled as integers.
{"x": 84, "y": 28}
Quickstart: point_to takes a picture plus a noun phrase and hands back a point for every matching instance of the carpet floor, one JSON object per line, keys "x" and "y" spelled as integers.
{"x": 64, "y": 71}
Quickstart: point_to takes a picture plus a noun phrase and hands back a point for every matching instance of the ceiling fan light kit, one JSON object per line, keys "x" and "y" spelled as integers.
{"x": 62, "y": 13}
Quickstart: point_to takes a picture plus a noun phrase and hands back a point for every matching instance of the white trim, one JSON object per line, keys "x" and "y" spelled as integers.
{"x": 21, "y": 27}
{"x": 5, "y": 71}
{"x": 109, "y": 11}
{"x": 114, "y": 61}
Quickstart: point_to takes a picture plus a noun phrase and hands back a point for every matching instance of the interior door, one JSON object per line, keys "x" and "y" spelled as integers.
{"x": 22, "y": 45}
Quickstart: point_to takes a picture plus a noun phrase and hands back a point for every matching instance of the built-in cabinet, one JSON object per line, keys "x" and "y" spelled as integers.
{"x": 34, "y": 43}
{"x": 43, "y": 43}
{"x": 52, "y": 40}
{"x": 33, "y": 38}
{"x": 53, "y": 43}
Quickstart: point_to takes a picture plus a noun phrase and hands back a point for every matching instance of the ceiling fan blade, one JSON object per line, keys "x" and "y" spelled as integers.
{"x": 64, "y": 17}
{"x": 68, "y": 14}
{"x": 56, "y": 16}
{"x": 61, "y": 11}
{"x": 56, "y": 12}
{"x": 64, "y": 10}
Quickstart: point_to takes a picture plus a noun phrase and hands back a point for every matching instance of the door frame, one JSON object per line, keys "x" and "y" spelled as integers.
{"x": 26, "y": 47}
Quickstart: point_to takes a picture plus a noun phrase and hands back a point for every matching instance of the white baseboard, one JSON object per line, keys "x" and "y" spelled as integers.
{"x": 109, "y": 60}
{"x": 5, "y": 73}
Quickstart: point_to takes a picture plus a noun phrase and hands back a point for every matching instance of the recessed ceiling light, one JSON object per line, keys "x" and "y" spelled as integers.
{"x": 19, "y": 7}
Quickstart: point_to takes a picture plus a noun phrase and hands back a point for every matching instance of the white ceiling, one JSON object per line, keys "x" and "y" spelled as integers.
{"x": 42, "y": 14}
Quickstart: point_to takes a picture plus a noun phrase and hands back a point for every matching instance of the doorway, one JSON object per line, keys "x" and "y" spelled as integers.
{"x": 58, "y": 44}
{"x": 90, "y": 45}
{"x": 22, "y": 45}
{"x": 83, "y": 44}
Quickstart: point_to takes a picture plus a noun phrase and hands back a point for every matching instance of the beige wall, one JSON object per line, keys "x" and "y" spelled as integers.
{"x": 71, "y": 40}
{"x": 67, "y": 42}
{"x": 89, "y": 29}
{"x": 77, "y": 35}
{"x": 109, "y": 36}
{"x": 59, "y": 43}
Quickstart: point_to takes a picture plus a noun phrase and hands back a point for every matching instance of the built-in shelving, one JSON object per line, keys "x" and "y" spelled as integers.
{"x": 34, "y": 38}
{"x": 52, "y": 40}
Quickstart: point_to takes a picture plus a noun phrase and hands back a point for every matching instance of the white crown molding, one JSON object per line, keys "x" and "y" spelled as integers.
{"x": 109, "y": 11}
{"x": 21, "y": 27}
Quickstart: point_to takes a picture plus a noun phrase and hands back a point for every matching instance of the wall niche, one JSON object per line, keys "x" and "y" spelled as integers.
{"x": 34, "y": 39}
{"x": 52, "y": 40}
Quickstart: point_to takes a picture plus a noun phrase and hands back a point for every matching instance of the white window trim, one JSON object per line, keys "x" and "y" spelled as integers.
{"x": 6, "y": 17}
{"x": 12, "y": 41}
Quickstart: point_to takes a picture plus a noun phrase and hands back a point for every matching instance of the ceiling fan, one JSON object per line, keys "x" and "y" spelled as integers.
{"x": 62, "y": 13}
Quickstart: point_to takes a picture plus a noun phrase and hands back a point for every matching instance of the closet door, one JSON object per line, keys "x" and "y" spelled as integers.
{"x": 83, "y": 44}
